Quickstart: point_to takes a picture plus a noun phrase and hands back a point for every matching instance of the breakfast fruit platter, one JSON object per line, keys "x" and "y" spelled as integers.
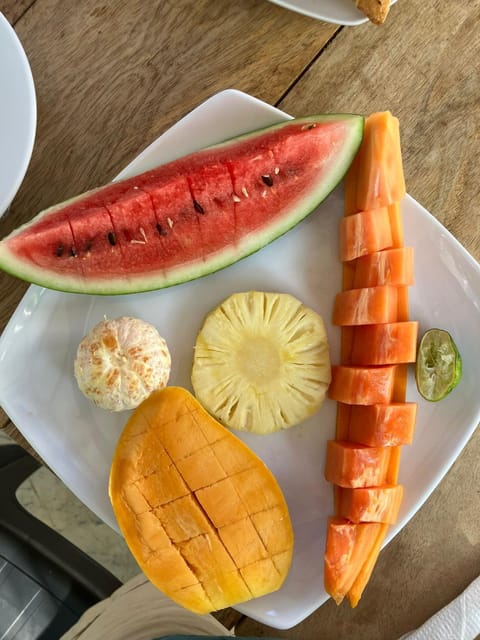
{"x": 237, "y": 392}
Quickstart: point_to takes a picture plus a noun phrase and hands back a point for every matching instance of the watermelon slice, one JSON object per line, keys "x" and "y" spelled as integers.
{"x": 187, "y": 218}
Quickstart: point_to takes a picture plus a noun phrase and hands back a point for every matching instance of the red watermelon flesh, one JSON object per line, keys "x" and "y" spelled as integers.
{"x": 96, "y": 242}
{"x": 55, "y": 242}
{"x": 177, "y": 220}
{"x": 189, "y": 217}
{"x": 211, "y": 192}
{"x": 142, "y": 237}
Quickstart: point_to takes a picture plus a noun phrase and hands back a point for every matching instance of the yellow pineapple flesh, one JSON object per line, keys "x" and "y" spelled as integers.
{"x": 261, "y": 362}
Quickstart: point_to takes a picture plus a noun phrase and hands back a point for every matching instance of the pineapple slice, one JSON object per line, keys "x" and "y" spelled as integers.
{"x": 261, "y": 362}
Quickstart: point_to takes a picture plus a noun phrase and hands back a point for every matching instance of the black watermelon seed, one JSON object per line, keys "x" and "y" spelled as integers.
{"x": 73, "y": 252}
{"x": 198, "y": 207}
{"x": 161, "y": 230}
{"x": 59, "y": 251}
{"x": 88, "y": 245}
{"x": 111, "y": 238}
{"x": 268, "y": 180}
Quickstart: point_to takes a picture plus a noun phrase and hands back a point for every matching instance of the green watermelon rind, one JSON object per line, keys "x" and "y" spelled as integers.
{"x": 250, "y": 244}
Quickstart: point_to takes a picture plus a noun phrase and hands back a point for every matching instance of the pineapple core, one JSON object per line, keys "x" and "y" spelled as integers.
{"x": 261, "y": 362}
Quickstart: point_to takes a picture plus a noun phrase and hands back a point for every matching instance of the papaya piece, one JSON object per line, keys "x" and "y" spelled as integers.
{"x": 346, "y": 548}
{"x": 380, "y": 179}
{"x": 370, "y": 556}
{"x": 362, "y": 385}
{"x": 382, "y": 425}
{"x": 389, "y": 343}
{"x": 190, "y": 539}
{"x": 393, "y": 465}
{"x": 368, "y": 305}
{"x": 349, "y": 464}
{"x": 396, "y": 224}
{"x": 346, "y": 344}
{"x": 399, "y": 392}
{"x": 364, "y": 232}
{"x": 370, "y": 504}
{"x": 388, "y": 267}
{"x": 342, "y": 431}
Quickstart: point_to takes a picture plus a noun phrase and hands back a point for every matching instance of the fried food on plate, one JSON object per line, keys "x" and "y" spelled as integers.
{"x": 375, "y": 10}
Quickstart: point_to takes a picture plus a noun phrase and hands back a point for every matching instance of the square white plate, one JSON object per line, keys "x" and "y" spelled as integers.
{"x": 335, "y": 11}
{"x": 76, "y": 439}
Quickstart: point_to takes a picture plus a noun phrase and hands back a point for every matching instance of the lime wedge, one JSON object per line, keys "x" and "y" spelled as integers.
{"x": 439, "y": 366}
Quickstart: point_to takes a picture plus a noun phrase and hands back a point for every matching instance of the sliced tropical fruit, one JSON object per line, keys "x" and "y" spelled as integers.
{"x": 261, "y": 362}
{"x": 189, "y": 217}
{"x": 439, "y": 365}
{"x": 120, "y": 362}
{"x": 207, "y": 544}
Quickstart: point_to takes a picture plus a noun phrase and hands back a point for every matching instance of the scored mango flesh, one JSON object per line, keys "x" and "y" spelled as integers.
{"x": 203, "y": 516}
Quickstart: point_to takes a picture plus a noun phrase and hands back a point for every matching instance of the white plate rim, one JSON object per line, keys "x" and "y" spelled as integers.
{"x": 29, "y": 131}
{"x": 308, "y": 8}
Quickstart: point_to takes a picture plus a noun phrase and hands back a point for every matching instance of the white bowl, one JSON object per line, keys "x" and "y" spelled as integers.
{"x": 18, "y": 114}
{"x": 335, "y": 11}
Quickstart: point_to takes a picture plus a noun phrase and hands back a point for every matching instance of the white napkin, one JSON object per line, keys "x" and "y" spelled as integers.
{"x": 139, "y": 611}
{"x": 459, "y": 620}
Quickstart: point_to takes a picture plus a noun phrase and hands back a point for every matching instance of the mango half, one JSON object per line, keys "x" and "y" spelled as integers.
{"x": 203, "y": 516}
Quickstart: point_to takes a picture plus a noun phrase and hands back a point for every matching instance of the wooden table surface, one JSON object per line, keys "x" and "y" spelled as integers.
{"x": 111, "y": 76}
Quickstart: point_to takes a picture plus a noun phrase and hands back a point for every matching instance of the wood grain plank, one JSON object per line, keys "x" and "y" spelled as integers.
{"x": 13, "y": 10}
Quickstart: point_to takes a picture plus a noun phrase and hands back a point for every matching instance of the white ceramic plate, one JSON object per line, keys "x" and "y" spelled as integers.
{"x": 18, "y": 114}
{"x": 335, "y": 11}
{"x": 37, "y": 349}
